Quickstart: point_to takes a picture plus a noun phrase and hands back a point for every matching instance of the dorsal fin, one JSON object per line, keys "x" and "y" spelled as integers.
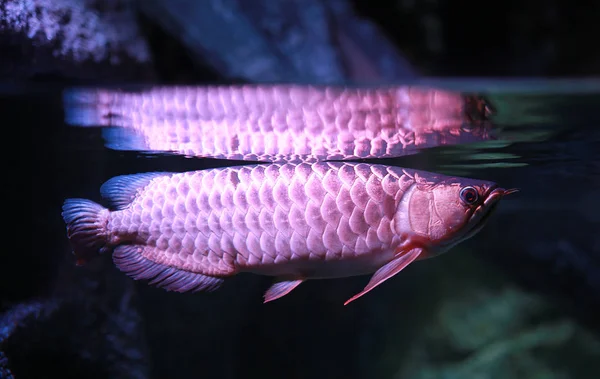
{"x": 121, "y": 190}
{"x": 124, "y": 138}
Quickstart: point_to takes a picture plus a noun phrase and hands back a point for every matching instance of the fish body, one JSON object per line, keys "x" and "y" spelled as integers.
{"x": 278, "y": 123}
{"x": 295, "y": 221}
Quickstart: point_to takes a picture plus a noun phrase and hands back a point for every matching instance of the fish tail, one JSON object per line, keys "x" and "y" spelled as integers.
{"x": 86, "y": 228}
{"x": 85, "y": 107}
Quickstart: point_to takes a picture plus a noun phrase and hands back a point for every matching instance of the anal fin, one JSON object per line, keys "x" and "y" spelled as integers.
{"x": 280, "y": 288}
{"x": 130, "y": 260}
{"x": 390, "y": 269}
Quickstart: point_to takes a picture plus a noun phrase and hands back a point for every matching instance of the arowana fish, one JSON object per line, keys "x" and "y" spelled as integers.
{"x": 281, "y": 123}
{"x": 189, "y": 231}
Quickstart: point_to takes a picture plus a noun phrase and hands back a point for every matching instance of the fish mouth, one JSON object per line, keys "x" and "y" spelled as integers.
{"x": 481, "y": 215}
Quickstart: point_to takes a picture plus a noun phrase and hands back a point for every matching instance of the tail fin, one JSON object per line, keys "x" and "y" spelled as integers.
{"x": 86, "y": 107}
{"x": 86, "y": 228}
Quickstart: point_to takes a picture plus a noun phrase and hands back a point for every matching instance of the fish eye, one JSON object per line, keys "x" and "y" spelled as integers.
{"x": 467, "y": 128}
{"x": 469, "y": 195}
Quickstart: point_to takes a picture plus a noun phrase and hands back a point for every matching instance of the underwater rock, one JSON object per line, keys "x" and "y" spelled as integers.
{"x": 312, "y": 41}
{"x": 502, "y": 333}
{"x": 484, "y": 326}
{"x": 72, "y": 39}
{"x": 90, "y": 324}
{"x": 14, "y": 317}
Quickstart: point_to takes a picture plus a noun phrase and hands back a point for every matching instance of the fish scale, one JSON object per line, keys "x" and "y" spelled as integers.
{"x": 287, "y": 214}
{"x": 277, "y": 122}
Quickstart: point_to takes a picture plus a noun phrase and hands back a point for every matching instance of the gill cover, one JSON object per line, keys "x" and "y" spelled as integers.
{"x": 435, "y": 212}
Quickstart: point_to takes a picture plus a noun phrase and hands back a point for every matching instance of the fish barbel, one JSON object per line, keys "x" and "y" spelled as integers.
{"x": 189, "y": 231}
{"x": 280, "y": 123}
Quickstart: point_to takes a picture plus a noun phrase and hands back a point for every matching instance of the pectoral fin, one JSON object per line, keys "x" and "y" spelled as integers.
{"x": 280, "y": 288}
{"x": 390, "y": 269}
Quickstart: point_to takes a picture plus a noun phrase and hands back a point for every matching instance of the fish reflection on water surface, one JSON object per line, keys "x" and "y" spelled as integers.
{"x": 278, "y": 123}
{"x": 294, "y": 221}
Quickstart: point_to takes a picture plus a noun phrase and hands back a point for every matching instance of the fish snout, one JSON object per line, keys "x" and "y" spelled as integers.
{"x": 498, "y": 193}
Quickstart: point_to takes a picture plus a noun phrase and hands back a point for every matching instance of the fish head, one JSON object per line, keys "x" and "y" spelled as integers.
{"x": 444, "y": 211}
{"x": 477, "y": 124}
{"x": 478, "y": 108}
{"x": 454, "y": 118}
